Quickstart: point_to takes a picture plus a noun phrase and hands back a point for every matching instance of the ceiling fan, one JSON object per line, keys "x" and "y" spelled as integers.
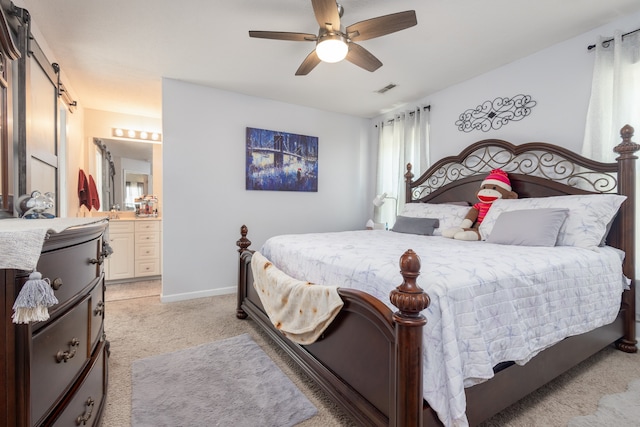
{"x": 334, "y": 44}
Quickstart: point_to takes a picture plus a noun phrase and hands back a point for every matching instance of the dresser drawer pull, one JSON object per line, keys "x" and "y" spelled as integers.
{"x": 82, "y": 419}
{"x": 98, "y": 261}
{"x": 63, "y": 356}
{"x": 99, "y": 309}
{"x": 56, "y": 284}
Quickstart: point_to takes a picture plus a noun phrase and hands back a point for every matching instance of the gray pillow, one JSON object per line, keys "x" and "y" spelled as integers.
{"x": 528, "y": 227}
{"x": 423, "y": 226}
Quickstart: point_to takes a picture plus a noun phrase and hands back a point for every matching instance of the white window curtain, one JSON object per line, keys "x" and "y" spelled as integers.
{"x": 615, "y": 92}
{"x": 401, "y": 140}
{"x": 134, "y": 190}
{"x": 615, "y": 102}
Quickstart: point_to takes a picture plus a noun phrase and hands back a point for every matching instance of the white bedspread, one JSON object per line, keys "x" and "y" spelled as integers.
{"x": 489, "y": 303}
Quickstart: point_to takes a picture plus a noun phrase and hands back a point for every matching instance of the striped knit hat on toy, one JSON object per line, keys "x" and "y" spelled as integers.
{"x": 498, "y": 177}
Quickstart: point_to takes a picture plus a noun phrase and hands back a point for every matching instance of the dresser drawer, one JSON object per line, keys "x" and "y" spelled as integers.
{"x": 71, "y": 270}
{"x": 149, "y": 267}
{"x": 147, "y": 237}
{"x": 87, "y": 403}
{"x": 121, "y": 227}
{"x": 147, "y": 225}
{"x": 147, "y": 250}
{"x": 59, "y": 353}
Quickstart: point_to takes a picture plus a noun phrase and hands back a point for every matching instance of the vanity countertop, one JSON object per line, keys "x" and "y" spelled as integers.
{"x": 136, "y": 219}
{"x": 125, "y": 216}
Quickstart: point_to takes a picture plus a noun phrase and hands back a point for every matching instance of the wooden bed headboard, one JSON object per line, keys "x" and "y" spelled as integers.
{"x": 540, "y": 169}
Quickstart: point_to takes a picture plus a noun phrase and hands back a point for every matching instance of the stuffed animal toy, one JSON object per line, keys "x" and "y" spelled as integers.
{"x": 495, "y": 186}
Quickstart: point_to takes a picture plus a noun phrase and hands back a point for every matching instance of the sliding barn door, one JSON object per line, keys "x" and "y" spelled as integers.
{"x": 36, "y": 129}
{"x": 42, "y": 129}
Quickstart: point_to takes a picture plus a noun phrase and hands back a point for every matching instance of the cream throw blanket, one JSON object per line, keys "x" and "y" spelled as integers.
{"x": 300, "y": 310}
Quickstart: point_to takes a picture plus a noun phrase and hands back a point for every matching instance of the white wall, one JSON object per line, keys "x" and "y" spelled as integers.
{"x": 75, "y": 154}
{"x": 557, "y": 78}
{"x": 205, "y": 201}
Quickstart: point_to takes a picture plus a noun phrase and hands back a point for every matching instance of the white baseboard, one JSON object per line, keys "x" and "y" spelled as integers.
{"x": 200, "y": 294}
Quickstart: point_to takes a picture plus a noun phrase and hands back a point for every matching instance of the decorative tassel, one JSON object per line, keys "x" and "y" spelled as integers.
{"x": 34, "y": 300}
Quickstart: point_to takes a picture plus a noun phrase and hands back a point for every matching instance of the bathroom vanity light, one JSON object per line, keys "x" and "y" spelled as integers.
{"x": 136, "y": 134}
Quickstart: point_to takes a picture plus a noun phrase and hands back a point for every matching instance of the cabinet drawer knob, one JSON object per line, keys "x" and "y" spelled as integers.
{"x": 56, "y": 284}
{"x": 82, "y": 419}
{"x": 63, "y": 356}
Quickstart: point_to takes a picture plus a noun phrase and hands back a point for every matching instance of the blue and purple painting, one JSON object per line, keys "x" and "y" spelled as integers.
{"x": 280, "y": 161}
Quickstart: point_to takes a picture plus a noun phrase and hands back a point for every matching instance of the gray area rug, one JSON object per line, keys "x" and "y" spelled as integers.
{"x": 622, "y": 409}
{"x": 230, "y": 382}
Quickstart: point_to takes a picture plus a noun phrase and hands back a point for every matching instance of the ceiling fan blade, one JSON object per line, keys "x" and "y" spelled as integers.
{"x": 308, "y": 64}
{"x": 282, "y": 35}
{"x": 327, "y": 14}
{"x": 362, "y": 58}
{"x": 382, "y": 25}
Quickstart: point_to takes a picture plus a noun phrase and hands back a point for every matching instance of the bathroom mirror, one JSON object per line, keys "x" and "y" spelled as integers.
{"x": 125, "y": 168}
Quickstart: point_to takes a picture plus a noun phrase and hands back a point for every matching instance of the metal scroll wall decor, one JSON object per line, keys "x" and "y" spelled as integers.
{"x": 495, "y": 114}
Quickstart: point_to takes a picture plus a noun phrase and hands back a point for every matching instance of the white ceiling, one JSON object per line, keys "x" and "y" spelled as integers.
{"x": 114, "y": 53}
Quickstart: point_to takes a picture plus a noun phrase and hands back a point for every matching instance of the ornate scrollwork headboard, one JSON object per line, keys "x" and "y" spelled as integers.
{"x": 543, "y": 164}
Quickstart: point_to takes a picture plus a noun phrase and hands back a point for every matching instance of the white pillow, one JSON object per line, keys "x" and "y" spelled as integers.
{"x": 585, "y": 226}
{"x": 449, "y": 216}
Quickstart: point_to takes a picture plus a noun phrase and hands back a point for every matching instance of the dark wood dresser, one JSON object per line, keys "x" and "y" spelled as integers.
{"x": 54, "y": 373}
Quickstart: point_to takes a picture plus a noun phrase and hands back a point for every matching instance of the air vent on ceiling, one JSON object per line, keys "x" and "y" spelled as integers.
{"x": 386, "y": 88}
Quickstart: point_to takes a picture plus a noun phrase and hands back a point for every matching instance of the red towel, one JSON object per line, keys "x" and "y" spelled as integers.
{"x": 83, "y": 190}
{"x": 94, "y": 197}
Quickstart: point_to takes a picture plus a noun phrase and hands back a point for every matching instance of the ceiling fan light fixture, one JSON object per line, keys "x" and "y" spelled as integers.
{"x": 332, "y": 48}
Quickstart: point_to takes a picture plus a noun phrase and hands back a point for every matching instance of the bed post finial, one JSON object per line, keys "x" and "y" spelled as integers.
{"x": 626, "y": 186}
{"x": 409, "y": 297}
{"x": 410, "y": 300}
{"x": 243, "y": 243}
{"x": 626, "y": 146}
{"x": 408, "y": 177}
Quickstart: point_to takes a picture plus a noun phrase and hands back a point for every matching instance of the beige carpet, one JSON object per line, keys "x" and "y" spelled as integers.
{"x": 138, "y": 326}
{"x": 142, "y": 326}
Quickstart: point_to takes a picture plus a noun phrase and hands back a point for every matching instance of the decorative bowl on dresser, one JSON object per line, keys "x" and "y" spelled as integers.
{"x": 54, "y": 373}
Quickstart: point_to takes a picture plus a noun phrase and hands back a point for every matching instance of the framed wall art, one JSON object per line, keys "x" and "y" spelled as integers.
{"x": 281, "y": 161}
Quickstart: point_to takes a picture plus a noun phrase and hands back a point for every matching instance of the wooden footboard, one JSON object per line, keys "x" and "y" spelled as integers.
{"x": 369, "y": 359}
